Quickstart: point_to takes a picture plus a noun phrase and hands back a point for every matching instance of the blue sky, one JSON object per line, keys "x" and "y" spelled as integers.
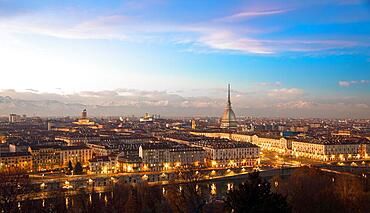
{"x": 306, "y": 52}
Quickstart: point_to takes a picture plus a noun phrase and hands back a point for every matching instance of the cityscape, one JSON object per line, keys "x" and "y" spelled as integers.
{"x": 185, "y": 106}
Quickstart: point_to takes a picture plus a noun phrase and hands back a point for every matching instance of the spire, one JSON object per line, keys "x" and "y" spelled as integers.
{"x": 228, "y": 95}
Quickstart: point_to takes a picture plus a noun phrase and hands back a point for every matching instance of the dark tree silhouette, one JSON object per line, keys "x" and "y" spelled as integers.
{"x": 78, "y": 169}
{"x": 13, "y": 184}
{"x": 255, "y": 195}
{"x": 70, "y": 166}
{"x": 312, "y": 190}
{"x": 190, "y": 196}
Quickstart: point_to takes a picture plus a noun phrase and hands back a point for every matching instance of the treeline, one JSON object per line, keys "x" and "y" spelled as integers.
{"x": 306, "y": 190}
{"x": 313, "y": 190}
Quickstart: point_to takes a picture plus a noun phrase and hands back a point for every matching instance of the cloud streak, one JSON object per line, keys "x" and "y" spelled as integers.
{"x": 352, "y": 83}
{"x": 251, "y": 14}
{"x": 211, "y": 34}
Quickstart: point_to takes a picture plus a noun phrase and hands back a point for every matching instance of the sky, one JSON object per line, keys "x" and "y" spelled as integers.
{"x": 302, "y": 58}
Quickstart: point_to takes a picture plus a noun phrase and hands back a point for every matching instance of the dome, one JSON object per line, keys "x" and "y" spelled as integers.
{"x": 228, "y": 119}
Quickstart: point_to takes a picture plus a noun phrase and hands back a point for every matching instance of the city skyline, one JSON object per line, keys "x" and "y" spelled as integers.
{"x": 282, "y": 58}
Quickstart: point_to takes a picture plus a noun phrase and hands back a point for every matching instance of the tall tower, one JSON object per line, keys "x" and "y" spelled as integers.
{"x": 84, "y": 114}
{"x": 228, "y": 120}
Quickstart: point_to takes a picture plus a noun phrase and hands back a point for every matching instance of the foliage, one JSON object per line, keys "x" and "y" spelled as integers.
{"x": 255, "y": 195}
{"x": 12, "y": 185}
{"x": 313, "y": 190}
{"x": 70, "y": 166}
{"x": 78, "y": 169}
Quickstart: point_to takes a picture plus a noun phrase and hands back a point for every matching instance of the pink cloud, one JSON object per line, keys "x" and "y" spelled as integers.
{"x": 250, "y": 14}
{"x": 270, "y": 84}
{"x": 227, "y": 40}
{"x": 351, "y": 83}
{"x": 285, "y": 92}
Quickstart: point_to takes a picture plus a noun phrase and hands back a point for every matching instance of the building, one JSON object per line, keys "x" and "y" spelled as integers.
{"x": 84, "y": 121}
{"x": 16, "y": 161}
{"x": 220, "y": 151}
{"x": 75, "y": 154}
{"x": 45, "y": 157}
{"x": 76, "y": 139}
{"x": 193, "y": 124}
{"x": 102, "y": 165}
{"x": 130, "y": 163}
{"x": 331, "y": 149}
{"x": 169, "y": 155}
{"x": 101, "y": 149}
{"x": 272, "y": 143}
{"x": 147, "y": 118}
{"x": 84, "y": 114}
{"x": 228, "y": 120}
{"x": 226, "y": 153}
{"x": 324, "y": 149}
{"x": 4, "y": 147}
{"x": 14, "y": 118}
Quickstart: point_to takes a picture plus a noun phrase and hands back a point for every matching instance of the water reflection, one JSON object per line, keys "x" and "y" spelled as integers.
{"x": 67, "y": 202}
{"x": 230, "y": 186}
{"x": 213, "y": 189}
{"x": 105, "y": 200}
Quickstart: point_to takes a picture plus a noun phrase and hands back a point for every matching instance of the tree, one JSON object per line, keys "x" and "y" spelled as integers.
{"x": 70, "y": 166}
{"x": 12, "y": 185}
{"x": 255, "y": 195}
{"x": 190, "y": 196}
{"x": 137, "y": 198}
{"x": 313, "y": 190}
{"x": 78, "y": 169}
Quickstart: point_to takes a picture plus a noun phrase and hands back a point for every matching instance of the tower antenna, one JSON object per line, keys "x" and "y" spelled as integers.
{"x": 228, "y": 94}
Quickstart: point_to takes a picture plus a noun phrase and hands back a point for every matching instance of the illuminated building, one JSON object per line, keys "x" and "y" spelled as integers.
{"x": 76, "y": 139}
{"x": 100, "y": 148}
{"x": 130, "y": 164}
{"x": 102, "y": 165}
{"x": 225, "y": 153}
{"x": 75, "y": 154}
{"x": 15, "y": 161}
{"x": 45, "y": 157}
{"x": 221, "y": 152}
{"x": 228, "y": 120}
{"x": 193, "y": 124}
{"x": 168, "y": 155}
{"x": 147, "y": 118}
{"x": 329, "y": 150}
{"x": 278, "y": 144}
{"x": 84, "y": 121}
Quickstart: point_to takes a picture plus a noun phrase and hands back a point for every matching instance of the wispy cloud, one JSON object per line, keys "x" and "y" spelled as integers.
{"x": 269, "y": 84}
{"x": 351, "y": 83}
{"x": 208, "y": 36}
{"x": 285, "y": 92}
{"x": 251, "y": 14}
{"x": 225, "y": 40}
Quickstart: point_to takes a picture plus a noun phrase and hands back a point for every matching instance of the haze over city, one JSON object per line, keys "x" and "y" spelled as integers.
{"x": 182, "y": 106}
{"x": 175, "y": 58}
